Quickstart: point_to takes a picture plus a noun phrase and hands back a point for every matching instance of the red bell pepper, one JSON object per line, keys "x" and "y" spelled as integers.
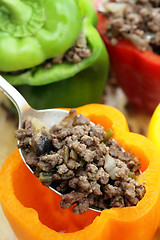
{"x": 137, "y": 72}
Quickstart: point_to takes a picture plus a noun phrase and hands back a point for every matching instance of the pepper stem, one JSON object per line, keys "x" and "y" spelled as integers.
{"x": 20, "y": 12}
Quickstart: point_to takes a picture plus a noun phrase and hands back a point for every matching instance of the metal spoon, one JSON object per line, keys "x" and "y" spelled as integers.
{"x": 48, "y": 116}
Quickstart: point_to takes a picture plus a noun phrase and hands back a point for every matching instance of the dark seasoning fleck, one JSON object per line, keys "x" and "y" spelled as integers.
{"x": 83, "y": 162}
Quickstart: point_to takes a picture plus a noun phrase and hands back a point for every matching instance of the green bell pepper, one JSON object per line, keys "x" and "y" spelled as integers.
{"x": 30, "y": 29}
{"x": 33, "y": 31}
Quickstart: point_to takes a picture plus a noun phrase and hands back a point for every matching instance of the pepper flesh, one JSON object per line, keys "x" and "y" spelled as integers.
{"x": 63, "y": 85}
{"x": 137, "y": 72}
{"x": 154, "y": 128}
{"x": 29, "y": 33}
{"x": 22, "y": 194}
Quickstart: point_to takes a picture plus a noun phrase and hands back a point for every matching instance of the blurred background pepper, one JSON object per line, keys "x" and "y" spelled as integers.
{"x": 134, "y": 55}
{"x": 52, "y": 52}
{"x": 154, "y": 128}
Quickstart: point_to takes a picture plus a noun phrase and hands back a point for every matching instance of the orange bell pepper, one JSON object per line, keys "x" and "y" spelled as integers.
{"x": 33, "y": 210}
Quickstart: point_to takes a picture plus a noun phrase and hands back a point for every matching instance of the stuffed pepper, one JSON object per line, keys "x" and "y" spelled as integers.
{"x": 51, "y": 51}
{"x": 103, "y": 166}
{"x": 131, "y": 32}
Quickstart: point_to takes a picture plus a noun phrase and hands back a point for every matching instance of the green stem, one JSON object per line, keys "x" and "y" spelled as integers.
{"x": 20, "y": 12}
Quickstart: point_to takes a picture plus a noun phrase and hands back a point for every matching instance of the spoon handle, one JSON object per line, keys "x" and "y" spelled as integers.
{"x": 17, "y": 99}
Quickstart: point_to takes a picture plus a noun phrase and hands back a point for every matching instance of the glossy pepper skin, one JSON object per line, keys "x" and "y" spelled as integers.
{"x": 154, "y": 128}
{"x": 24, "y": 195}
{"x": 30, "y": 35}
{"x": 137, "y": 72}
{"x": 52, "y": 28}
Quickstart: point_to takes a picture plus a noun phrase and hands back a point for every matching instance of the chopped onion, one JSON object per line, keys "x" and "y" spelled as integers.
{"x": 110, "y": 166}
{"x": 66, "y": 154}
{"x": 148, "y": 36}
{"x": 81, "y": 41}
{"x": 73, "y": 155}
{"x": 115, "y": 8}
{"x": 101, "y": 7}
{"x": 37, "y": 124}
{"x": 139, "y": 42}
{"x": 112, "y": 7}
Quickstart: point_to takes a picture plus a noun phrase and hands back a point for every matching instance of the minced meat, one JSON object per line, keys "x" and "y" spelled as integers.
{"x": 137, "y": 21}
{"x": 82, "y": 162}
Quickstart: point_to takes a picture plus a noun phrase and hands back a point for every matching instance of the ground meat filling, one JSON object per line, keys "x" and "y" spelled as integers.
{"x": 83, "y": 162}
{"x": 137, "y": 21}
{"x": 79, "y": 51}
{"x": 75, "y": 54}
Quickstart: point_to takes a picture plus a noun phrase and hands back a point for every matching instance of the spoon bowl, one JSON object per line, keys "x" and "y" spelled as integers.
{"x": 47, "y": 116}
